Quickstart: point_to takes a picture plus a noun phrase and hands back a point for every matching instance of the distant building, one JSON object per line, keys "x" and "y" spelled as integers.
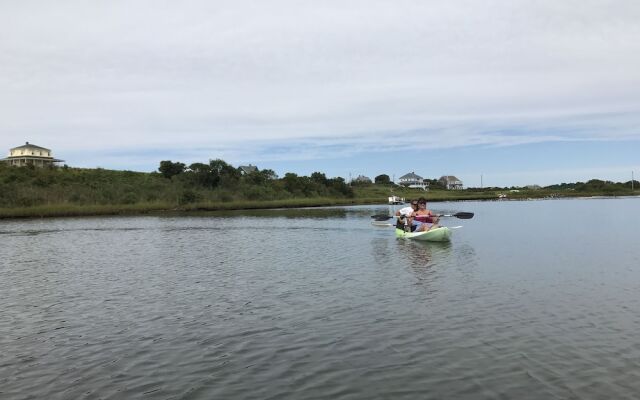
{"x": 30, "y": 154}
{"x": 396, "y": 200}
{"x": 247, "y": 169}
{"x": 362, "y": 179}
{"x": 413, "y": 180}
{"x": 450, "y": 182}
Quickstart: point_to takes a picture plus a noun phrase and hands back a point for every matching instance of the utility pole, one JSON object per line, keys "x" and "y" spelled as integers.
{"x": 481, "y": 182}
{"x": 632, "y": 181}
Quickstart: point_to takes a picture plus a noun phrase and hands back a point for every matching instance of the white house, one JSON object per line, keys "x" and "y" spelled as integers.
{"x": 413, "y": 180}
{"x": 450, "y": 182}
{"x": 30, "y": 154}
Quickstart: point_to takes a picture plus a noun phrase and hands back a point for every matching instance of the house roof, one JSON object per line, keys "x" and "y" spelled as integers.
{"x": 30, "y": 146}
{"x": 411, "y": 175}
{"x": 248, "y": 168}
{"x": 450, "y": 178}
{"x": 361, "y": 178}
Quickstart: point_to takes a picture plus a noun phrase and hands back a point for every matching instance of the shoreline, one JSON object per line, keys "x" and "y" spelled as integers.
{"x": 71, "y": 210}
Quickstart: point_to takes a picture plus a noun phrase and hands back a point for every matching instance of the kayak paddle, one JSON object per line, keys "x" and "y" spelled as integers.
{"x": 461, "y": 215}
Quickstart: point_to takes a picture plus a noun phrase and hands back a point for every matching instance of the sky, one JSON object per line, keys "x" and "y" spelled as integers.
{"x": 498, "y": 93}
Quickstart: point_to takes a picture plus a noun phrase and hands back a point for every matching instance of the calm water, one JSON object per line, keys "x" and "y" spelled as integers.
{"x": 536, "y": 299}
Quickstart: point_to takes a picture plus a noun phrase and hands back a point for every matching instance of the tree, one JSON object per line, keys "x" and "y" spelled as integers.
{"x": 435, "y": 184}
{"x": 269, "y": 174}
{"x": 222, "y": 168}
{"x": 382, "y": 179}
{"x": 319, "y": 177}
{"x": 203, "y": 175}
{"x": 340, "y": 185}
{"x": 227, "y": 175}
{"x": 169, "y": 169}
{"x": 291, "y": 182}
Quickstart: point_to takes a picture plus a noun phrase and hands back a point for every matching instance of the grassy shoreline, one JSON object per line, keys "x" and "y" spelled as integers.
{"x": 74, "y": 210}
{"x": 159, "y": 208}
{"x": 217, "y": 186}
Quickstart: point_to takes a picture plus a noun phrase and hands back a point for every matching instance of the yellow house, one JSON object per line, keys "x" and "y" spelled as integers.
{"x": 30, "y": 154}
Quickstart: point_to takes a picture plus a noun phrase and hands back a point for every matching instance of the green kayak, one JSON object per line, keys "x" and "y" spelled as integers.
{"x": 440, "y": 234}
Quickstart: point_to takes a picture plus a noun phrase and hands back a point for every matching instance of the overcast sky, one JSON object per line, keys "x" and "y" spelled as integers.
{"x": 521, "y": 92}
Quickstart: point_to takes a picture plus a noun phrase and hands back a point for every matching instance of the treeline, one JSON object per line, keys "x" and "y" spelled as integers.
{"x": 597, "y": 185}
{"x": 593, "y": 186}
{"x": 221, "y": 177}
{"x": 174, "y": 183}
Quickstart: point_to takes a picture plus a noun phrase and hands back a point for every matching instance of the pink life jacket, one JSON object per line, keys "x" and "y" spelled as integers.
{"x": 423, "y": 218}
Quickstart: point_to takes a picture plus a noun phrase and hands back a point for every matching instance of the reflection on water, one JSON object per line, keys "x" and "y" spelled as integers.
{"x": 423, "y": 254}
{"x": 317, "y": 303}
{"x": 305, "y": 213}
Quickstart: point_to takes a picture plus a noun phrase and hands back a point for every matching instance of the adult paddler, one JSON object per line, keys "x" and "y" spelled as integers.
{"x": 425, "y": 218}
{"x": 405, "y": 217}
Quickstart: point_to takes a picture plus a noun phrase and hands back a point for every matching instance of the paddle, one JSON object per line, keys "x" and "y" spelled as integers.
{"x": 461, "y": 215}
{"x": 378, "y": 223}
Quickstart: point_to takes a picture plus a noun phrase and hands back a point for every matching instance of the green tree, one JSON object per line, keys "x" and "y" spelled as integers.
{"x": 169, "y": 169}
{"x": 203, "y": 175}
{"x": 319, "y": 177}
{"x": 434, "y": 184}
{"x": 339, "y": 185}
{"x": 227, "y": 175}
{"x": 291, "y": 182}
{"x": 382, "y": 179}
{"x": 269, "y": 174}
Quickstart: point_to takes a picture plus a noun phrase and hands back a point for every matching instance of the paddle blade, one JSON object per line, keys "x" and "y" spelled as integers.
{"x": 463, "y": 215}
{"x": 381, "y": 217}
{"x": 381, "y": 223}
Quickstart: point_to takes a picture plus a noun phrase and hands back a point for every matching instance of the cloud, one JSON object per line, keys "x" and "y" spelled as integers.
{"x": 304, "y": 80}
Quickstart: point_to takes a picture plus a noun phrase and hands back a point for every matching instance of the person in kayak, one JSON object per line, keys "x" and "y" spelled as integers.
{"x": 405, "y": 217}
{"x": 425, "y": 218}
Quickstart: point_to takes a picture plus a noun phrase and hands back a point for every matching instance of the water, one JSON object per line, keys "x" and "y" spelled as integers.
{"x": 530, "y": 300}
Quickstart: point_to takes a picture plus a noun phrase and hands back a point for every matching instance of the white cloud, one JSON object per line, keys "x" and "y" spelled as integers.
{"x": 202, "y": 75}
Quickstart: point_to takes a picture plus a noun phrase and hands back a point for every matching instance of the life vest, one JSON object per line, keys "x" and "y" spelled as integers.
{"x": 424, "y": 218}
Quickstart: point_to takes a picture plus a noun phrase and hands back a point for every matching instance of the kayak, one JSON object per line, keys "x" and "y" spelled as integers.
{"x": 440, "y": 234}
